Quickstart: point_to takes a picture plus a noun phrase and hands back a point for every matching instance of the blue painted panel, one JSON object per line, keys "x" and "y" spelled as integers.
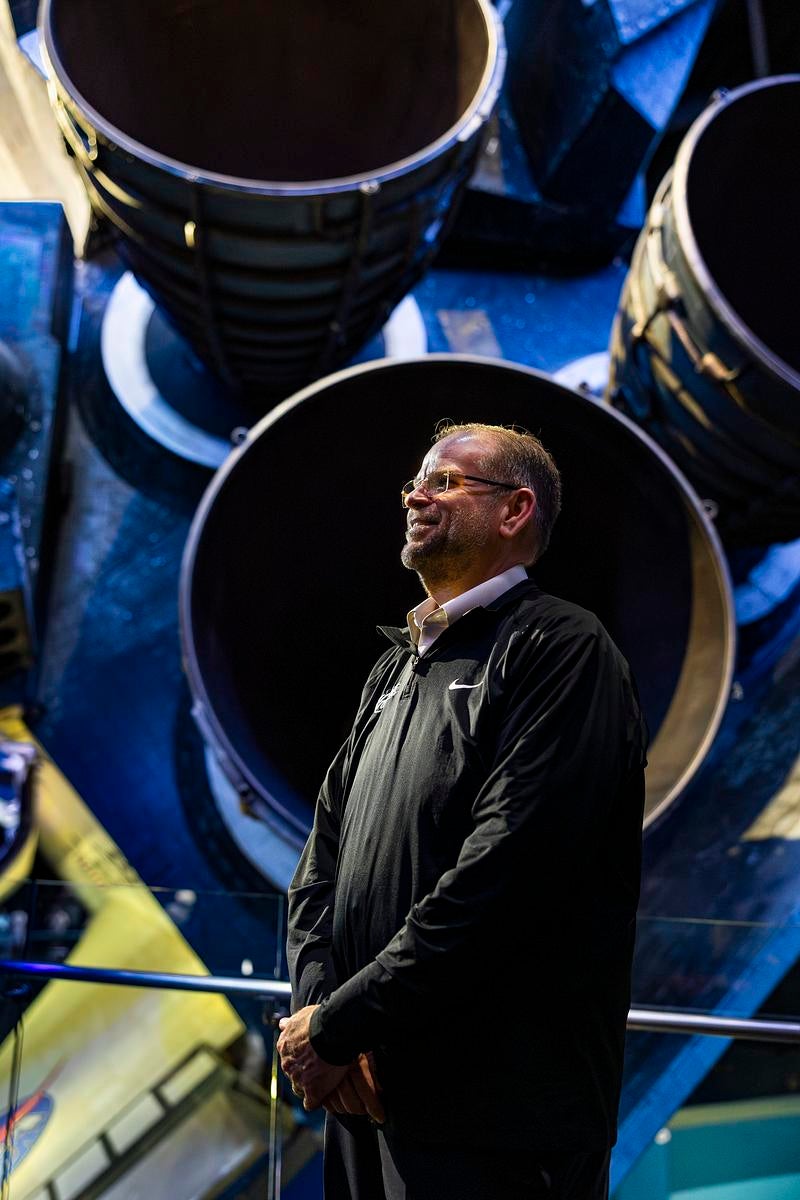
{"x": 652, "y": 73}
{"x": 634, "y": 19}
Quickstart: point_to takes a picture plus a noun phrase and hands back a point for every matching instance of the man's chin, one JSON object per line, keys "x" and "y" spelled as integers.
{"x": 418, "y": 556}
{"x": 413, "y": 557}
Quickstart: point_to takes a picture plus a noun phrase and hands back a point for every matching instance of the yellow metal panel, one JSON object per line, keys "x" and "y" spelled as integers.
{"x": 93, "y": 1049}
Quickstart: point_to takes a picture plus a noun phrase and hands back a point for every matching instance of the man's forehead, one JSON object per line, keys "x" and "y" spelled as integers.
{"x": 452, "y": 450}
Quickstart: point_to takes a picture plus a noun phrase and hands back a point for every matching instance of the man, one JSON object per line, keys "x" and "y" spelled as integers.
{"x": 461, "y": 922}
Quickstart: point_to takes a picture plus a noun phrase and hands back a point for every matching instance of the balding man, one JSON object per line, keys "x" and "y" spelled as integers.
{"x": 461, "y": 922}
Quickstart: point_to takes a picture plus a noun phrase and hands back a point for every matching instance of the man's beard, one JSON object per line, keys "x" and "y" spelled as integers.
{"x": 446, "y": 551}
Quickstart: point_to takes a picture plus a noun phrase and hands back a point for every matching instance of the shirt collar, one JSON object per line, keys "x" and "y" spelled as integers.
{"x": 430, "y": 617}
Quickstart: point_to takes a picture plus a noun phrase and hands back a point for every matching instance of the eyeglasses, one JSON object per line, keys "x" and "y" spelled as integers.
{"x": 441, "y": 481}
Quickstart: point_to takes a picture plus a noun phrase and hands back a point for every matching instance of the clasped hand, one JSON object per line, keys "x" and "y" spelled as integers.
{"x": 352, "y": 1088}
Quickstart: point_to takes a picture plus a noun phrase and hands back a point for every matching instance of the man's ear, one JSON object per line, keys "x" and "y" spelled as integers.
{"x": 519, "y": 511}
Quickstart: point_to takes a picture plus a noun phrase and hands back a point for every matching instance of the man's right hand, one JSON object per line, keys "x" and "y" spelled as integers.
{"x": 359, "y": 1093}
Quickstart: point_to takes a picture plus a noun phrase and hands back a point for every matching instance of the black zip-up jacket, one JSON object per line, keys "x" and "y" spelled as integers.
{"x": 465, "y": 904}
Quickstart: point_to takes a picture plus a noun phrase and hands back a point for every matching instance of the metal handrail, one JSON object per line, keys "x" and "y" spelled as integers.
{"x": 652, "y": 1020}
{"x": 666, "y": 1020}
{"x": 272, "y": 989}
{"x": 655, "y": 1020}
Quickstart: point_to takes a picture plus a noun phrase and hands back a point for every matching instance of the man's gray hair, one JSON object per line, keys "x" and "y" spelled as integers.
{"x": 518, "y": 457}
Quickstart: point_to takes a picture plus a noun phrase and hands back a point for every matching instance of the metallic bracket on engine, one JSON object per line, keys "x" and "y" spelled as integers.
{"x": 224, "y": 760}
{"x": 368, "y": 192}
{"x": 196, "y": 242}
{"x": 705, "y": 363}
{"x": 668, "y": 299}
{"x": 82, "y": 145}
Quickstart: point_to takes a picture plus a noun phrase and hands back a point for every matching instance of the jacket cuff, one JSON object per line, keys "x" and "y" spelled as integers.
{"x": 329, "y": 1050}
{"x": 351, "y": 1019}
{"x": 314, "y": 984}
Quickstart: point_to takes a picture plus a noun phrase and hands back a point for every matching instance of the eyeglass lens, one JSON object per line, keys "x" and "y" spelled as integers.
{"x": 434, "y": 484}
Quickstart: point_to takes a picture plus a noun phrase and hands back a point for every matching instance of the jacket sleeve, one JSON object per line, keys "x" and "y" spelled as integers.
{"x": 570, "y": 730}
{"x": 311, "y": 893}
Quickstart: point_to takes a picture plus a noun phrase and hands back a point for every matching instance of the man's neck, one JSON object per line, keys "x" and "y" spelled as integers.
{"x": 442, "y": 590}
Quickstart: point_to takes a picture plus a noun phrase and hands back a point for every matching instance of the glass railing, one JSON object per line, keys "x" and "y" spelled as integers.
{"x": 700, "y": 1111}
{"x": 119, "y": 1086}
{"x": 127, "y": 1091}
{"x": 734, "y": 1134}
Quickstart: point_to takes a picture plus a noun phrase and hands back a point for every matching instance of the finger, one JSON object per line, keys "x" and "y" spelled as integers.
{"x": 368, "y": 1062}
{"x": 316, "y": 1095}
{"x": 366, "y": 1083}
{"x": 284, "y": 1021}
{"x": 348, "y": 1096}
{"x": 369, "y": 1099}
{"x": 295, "y": 1067}
{"x": 365, "y": 1065}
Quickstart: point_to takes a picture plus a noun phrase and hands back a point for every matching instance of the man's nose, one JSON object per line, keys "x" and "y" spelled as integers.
{"x": 419, "y": 498}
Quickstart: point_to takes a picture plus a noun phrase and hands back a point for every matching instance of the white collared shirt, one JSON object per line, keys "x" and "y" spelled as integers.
{"x": 428, "y": 619}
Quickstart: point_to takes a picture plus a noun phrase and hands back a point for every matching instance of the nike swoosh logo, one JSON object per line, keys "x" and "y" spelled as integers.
{"x": 385, "y": 698}
{"x": 452, "y": 687}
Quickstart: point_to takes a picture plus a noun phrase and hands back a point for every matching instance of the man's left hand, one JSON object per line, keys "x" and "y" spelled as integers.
{"x": 311, "y": 1076}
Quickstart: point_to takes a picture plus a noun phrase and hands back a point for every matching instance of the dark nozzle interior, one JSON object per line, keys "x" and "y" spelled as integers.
{"x": 310, "y": 90}
{"x": 743, "y": 191}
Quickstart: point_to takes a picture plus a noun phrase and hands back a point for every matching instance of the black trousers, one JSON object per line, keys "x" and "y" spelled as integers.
{"x": 363, "y": 1163}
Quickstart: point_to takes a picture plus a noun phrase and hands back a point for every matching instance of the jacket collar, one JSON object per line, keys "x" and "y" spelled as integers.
{"x": 399, "y": 635}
